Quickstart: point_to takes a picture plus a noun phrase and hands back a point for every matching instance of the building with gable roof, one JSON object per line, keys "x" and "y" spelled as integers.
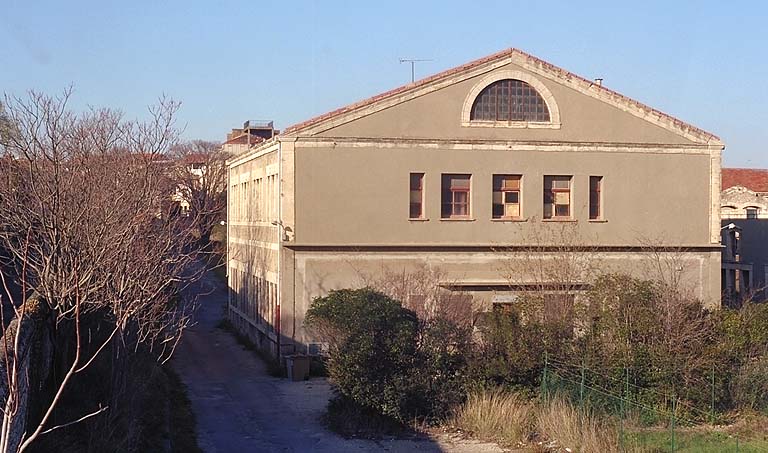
{"x": 448, "y": 171}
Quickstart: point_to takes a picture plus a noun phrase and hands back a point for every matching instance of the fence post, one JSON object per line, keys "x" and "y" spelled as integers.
{"x": 581, "y": 388}
{"x": 626, "y": 385}
{"x": 627, "y": 396}
{"x": 712, "y": 407}
{"x": 545, "y": 377}
{"x": 621, "y": 418}
{"x": 672, "y": 423}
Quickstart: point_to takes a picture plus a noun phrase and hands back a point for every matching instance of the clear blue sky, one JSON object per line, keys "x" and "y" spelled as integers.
{"x": 228, "y": 61}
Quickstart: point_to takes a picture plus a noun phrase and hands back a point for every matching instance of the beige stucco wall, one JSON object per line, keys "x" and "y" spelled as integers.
{"x": 359, "y": 195}
{"x": 253, "y": 243}
{"x": 438, "y": 114}
{"x": 318, "y": 272}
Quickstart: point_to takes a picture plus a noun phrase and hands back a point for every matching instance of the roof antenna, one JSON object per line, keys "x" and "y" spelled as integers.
{"x": 413, "y": 61}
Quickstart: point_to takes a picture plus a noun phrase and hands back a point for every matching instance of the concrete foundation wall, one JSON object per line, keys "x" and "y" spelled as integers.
{"x": 318, "y": 272}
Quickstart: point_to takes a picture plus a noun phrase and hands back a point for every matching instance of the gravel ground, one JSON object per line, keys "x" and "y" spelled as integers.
{"x": 240, "y": 408}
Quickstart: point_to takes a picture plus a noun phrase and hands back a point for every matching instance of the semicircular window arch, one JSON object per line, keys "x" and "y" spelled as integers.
{"x": 510, "y": 100}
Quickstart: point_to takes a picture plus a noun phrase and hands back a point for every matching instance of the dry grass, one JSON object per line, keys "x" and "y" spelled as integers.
{"x": 513, "y": 420}
{"x": 749, "y": 425}
{"x": 560, "y": 421}
{"x": 503, "y": 417}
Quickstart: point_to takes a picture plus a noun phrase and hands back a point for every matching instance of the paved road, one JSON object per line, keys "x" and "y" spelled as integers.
{"x": 240, "y": 408}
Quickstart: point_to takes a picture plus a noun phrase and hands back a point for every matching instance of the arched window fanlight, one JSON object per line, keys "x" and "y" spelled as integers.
{"x": 509, "y": 100}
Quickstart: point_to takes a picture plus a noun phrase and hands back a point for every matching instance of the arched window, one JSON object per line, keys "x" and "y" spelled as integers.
{"x": 729, "y": 212}
{"x": 752, "y": 212}
{"x": 509, "y": 100}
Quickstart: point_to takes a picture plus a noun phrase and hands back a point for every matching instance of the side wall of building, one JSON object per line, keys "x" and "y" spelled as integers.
{"x": 254, "y": 245}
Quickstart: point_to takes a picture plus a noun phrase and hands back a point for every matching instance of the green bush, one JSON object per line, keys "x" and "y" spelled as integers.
{"x": 750, "y": 387}
{"x": 667, "y": 344}
{"x": 743, "y": 332}
{"x": 628, "y": 335}
{"x": 382, "y": 358}
{"x": 511, "y": 353}
{"x": 440, "y": 375}
{"x": 372, "y": 342}
{"x": 350, "y": 419}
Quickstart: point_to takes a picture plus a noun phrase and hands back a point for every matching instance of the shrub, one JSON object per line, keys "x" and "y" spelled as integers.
{"x": 667, "y": 340}
{"x": 511, "y": 354}
{"x": 750, "y": 388}
{"x": 372, "y": 342}
{"x": 664, "y": 342}
{"x": 382, "y": 358}
{"x": 440, "y": 374}
{"x": 350, "y": 419}
{"x": 743, "y": 332}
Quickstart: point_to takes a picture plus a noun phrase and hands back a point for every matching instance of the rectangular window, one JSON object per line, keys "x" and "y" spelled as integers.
{"x": 246, "y": 201}
{"x": 557, "y": 197}
{"x": 257, "y": 199}
{"x": 506, "y": 196}
{"x": 595, "y": 197}
{"x": 417, "y": 196}
{"x": 455, "y": 196}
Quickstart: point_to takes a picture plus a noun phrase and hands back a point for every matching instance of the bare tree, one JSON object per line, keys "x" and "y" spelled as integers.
{"x": 424, "y": 289}
{"x": 200, "y": 174}
{"x": 86, "y": 221}
{"x": 5, "y": 124}
{"x": 553, "y": 265}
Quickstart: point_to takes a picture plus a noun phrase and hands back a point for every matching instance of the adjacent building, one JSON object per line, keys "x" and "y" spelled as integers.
{"x": 744, "y": 211}
{"x": 253, "y": 132}
{"x": 498, "y": 155}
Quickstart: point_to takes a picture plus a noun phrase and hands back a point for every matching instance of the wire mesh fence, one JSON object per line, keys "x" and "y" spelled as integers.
{"x": 646, "y": 419}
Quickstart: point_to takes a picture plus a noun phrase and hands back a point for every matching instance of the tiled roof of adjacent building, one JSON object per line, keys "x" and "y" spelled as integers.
{"x": 562, "y": 73}
{"x": 243, "y": 139}
{"x": 754, "y": 179}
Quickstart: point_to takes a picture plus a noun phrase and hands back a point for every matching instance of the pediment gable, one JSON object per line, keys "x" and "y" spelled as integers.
{"x": 438, "y": 106}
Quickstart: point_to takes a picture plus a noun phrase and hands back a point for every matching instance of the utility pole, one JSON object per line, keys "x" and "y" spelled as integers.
{"x": 413, "y": 61}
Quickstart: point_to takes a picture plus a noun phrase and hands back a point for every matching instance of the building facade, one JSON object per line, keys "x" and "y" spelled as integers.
{"x": 744, "y": 212}
{"x": 464, "y": 172}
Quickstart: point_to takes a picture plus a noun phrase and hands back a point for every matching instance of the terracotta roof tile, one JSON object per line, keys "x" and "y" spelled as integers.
{"x": 243, "y": 140}
{"x": 754, "y": 179}
{"x": 497, "y": 56}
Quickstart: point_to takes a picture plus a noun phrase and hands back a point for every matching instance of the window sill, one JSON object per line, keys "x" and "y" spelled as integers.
{"x": 598, "y": 221}
{"x": 418, "y": 220}
{"x": 457, "y": 219}
{"x": 564, "y": 219}
{"x": 512, "y": 124}
{"x": 509, "y": 219}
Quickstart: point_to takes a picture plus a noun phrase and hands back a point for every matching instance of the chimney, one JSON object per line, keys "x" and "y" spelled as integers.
{"x": 599, "y": 82}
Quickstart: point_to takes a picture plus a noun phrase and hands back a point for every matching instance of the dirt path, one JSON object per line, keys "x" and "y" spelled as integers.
{"x": 240, "y": 408}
